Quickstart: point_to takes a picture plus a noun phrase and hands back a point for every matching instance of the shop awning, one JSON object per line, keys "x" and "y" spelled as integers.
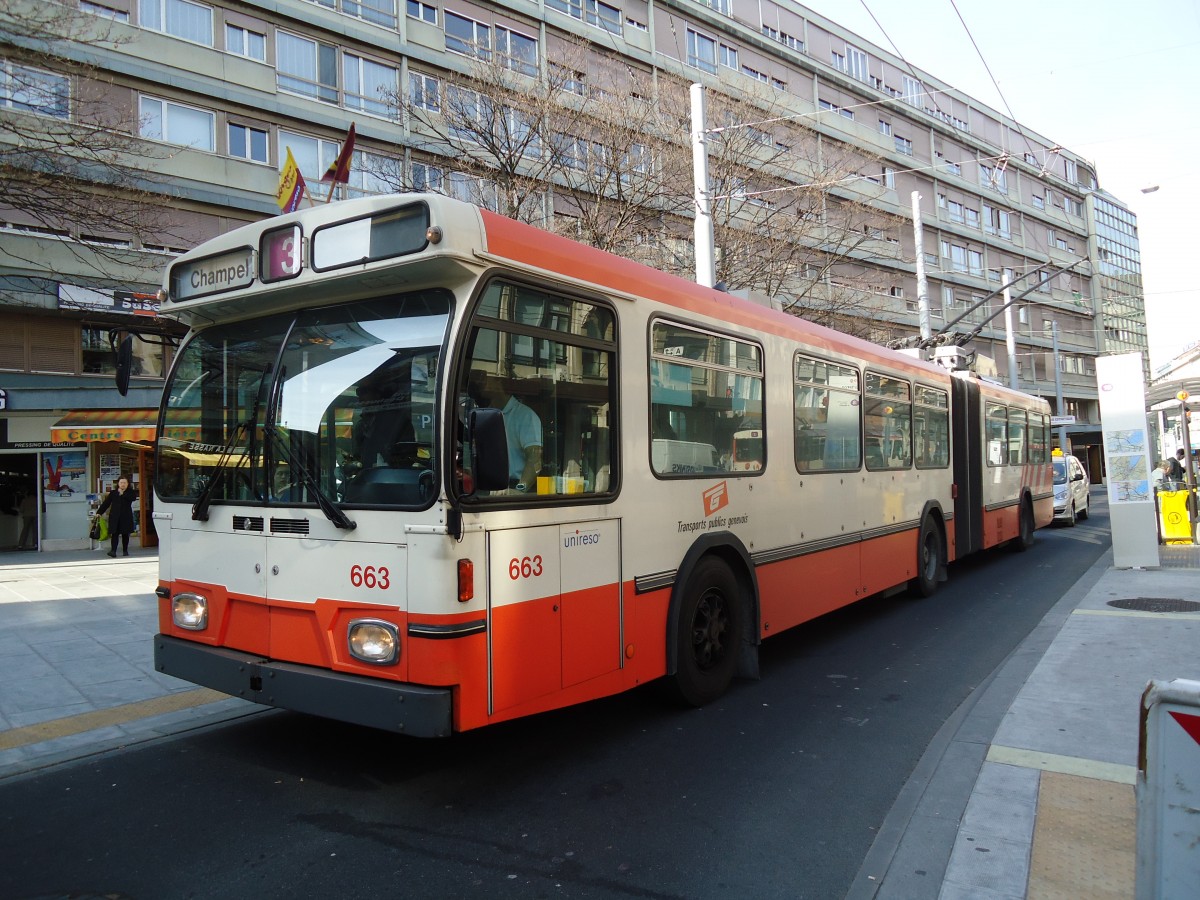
{"x": 105, "y": 425}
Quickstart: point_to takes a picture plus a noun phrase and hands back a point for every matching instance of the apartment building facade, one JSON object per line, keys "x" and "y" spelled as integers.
{"x": 219, "y": 92}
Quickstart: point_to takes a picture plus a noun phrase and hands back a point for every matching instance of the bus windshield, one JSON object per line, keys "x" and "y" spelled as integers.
{"x": 329, "y": 405}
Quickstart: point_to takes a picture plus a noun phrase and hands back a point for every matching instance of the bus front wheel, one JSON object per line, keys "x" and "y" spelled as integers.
{"x": 709, "y": 634}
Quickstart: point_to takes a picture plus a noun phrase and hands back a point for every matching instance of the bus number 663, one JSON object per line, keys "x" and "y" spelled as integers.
{"x": 370, "y": 577}
{"x": 524, "y": 567}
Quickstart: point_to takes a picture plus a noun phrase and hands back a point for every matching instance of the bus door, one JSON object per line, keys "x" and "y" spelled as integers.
{"x": 968, "y": 467}
{"x": 554, "y": 608}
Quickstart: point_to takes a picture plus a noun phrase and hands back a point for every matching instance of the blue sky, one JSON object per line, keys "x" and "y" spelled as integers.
{"x": 1115, "y": 82}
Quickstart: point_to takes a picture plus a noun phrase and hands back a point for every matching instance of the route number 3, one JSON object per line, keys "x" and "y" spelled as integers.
{"x": 370, "y": 577}
{"x": 524, "y": 567}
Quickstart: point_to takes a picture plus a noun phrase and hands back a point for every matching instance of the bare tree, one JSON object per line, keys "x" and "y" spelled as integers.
{"x": 617, "y": 176}
{"x": 794, "y": 215}
{"x": 69, "y": 164}
{"x": 492, "y": 118}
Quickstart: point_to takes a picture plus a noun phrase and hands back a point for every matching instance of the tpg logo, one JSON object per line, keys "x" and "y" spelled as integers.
{"x": 716, "y": 498}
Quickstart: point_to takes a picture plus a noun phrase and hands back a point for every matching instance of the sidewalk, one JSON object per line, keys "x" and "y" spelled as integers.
{"x": 77, "y": 664}
{"x": 1042, "y": 805}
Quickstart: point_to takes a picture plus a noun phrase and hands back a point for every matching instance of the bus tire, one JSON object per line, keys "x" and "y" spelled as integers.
{"x": 709, "y": 634}
{"x": 930, "y": 559}
{"x": 1025, "y": 527}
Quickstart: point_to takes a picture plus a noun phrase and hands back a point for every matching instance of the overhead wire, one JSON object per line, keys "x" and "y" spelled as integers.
{"x": 988, "y": 69}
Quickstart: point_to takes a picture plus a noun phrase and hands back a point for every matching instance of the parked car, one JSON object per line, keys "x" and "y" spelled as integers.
{"x": 1071, "y": 486}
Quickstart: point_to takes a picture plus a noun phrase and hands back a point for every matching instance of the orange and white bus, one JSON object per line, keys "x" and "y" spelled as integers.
{"x": 424, "y": 468}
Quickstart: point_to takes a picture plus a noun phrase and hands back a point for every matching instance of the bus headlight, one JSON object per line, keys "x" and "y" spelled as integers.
{"x": 190, "y": 611}
{"x": 374, "y": 641}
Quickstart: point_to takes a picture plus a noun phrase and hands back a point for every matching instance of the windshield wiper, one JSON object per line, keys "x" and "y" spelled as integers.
{"x": 332, "y": 511}
{"x": 200, "y": 507}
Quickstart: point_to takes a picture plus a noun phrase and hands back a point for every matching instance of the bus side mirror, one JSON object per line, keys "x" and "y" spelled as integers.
{"x": 489, "y": 449}
{"x": 124, "y": 364}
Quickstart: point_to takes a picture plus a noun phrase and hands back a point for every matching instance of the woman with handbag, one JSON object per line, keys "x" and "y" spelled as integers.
{"x": 120, "y": 520}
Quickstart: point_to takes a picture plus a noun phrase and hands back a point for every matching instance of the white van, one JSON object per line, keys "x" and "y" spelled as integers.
{"x": 682, "y": 457}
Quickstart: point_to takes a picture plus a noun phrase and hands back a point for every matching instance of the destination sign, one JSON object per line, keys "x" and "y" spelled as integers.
{"x": 224, "y": 272}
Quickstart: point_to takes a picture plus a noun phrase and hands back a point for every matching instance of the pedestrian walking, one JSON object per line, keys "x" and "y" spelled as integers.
{"x": 120, "y": 520}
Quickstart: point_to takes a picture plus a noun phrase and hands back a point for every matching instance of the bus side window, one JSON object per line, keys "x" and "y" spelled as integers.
{"x": 548, "y": 363}
{"x": 827, "y": 416}
{"x": 706, "y": 403}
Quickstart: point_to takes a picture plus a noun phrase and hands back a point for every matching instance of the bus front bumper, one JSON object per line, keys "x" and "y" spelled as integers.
{"x": 387, "y": 705}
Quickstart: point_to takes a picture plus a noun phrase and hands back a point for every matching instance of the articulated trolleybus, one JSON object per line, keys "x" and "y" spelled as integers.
{"x": 424, "y": 468}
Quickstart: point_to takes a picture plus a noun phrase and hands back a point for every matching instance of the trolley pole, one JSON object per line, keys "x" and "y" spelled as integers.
{"x": 922, "y": 281}
{"x": 1058, "y": 394}
{"x": 1010, "y": 341}
{"x": 705, "y": 265}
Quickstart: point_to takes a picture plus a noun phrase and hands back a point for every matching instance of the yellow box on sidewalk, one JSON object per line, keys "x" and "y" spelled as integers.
{"x": 1173, "y": 514}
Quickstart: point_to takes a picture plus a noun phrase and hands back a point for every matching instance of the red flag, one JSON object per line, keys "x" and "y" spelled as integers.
{"x": 339, "y": 170}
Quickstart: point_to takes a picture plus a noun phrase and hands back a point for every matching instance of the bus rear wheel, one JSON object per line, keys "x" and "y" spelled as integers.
{"x": 708, "y": 635}
{"x": 1025, "y": 527}
{"x": 930, "y": 560}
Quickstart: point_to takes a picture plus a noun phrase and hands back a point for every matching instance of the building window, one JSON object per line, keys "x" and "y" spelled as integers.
{"x": 368, "y": 86}
{"x": 106, "y": 12}
{"x": 702, "y": 52}
{"x": 856, "y": 62}
{"x": 472, "y": 189}
{"x": 424, "y": 91}
{"x": 427, "y": 178}
{"x": 34, "y": 90}
{"x": 1039, "y": 202}
{"x": 244, "y": 42}
{"x": 372, "y": 173}
{"x": 885, "y": 128}
{"x": 306, "y": 67}
{"x": 175, "y": 123}
{"x": 601, "y": 15}
{"x": 904, "y": 145}
{"x": 378, "y": 12}
{"x": 840, "y": 110}
{"x": 179, "y": 18}
{"x": 246, "y": 142}
{"x": 313, "y": 155}
{"x": 516, "y": 51}
{"x": 423, "y": 11}
{"x": 729, "y": 58}
{"x": 468, "y": 37}
{"x": 914, "y": 91}
{"x": 784, "y": 38}
{"x": 889, "y": 177}
{"x": 994, "y": 178}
